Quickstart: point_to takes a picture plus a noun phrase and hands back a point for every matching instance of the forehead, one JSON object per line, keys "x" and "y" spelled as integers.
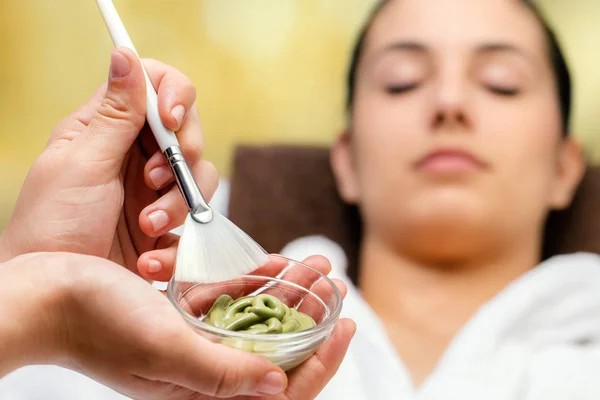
{"x": 457, "y": 25}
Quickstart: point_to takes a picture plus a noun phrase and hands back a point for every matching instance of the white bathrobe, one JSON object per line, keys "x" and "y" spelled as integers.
{"x": 537, "y": 340}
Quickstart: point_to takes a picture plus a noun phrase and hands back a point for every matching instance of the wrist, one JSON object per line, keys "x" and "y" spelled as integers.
{"x": 13, "y": 334}
{"x": 6, "y": 252}
{"x": 31, "y": 298}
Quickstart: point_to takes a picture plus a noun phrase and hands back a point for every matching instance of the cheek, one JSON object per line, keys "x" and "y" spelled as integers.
{"x": 389, "y": 135}
{"x": 522, "y": 142}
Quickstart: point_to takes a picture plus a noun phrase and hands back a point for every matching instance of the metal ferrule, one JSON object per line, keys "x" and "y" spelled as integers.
{"x": 199, "y": 208}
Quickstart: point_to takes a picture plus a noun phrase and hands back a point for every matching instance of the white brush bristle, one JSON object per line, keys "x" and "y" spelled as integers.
{"x": 216, "y": 251}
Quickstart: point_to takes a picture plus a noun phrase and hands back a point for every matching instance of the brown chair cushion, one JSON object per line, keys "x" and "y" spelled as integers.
{"x": 280, "y": 193}
{"x": 578, "y": 227}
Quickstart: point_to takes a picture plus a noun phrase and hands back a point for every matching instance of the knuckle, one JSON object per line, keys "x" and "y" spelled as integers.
{"x": 192, "y": 150}
{"x": 115, "y": 108}
{"x": 179, "y": 79}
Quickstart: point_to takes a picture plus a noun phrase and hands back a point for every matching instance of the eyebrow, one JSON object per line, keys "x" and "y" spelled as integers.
{"x": 492, "y": 47}
{"x": 500, "y": 48}
{"x": 404, "y": 45}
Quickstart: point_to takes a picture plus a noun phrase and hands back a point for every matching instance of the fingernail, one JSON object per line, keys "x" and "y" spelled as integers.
{"x": 119, "y": 65}
{"x": 158, "y": 219}
{"x": 178, "y": 112}
{"x": 272, "y": 383}
{"x": 159, "y": 176}
{"x": 154, "y": 266}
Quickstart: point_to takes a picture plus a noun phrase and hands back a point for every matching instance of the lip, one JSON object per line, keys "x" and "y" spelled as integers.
{"x": 450, "y": 160}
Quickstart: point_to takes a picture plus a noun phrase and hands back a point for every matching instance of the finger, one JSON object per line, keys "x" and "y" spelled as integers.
{"x": 191, "y": 139}
{"x": 170, "y": 210}
{"x": 176, "y": 92}
{"x": 122, "y": 113}
{"x": 158, "y": 265}
{"x": 176, "y": 95}
{"x": 319, "y": 263}
{"x": 174, "y": 89}
{"x": 157, "y": 173}
{"x": 189, "y": 136}
{"x": 272, "y": 268}
{"x": 341, "y": 286}
{"x": 301, "y": 276}
{"x": 220, "y": 371}
{"x": 309, "y": 379}
{"x": 327, "y": 294}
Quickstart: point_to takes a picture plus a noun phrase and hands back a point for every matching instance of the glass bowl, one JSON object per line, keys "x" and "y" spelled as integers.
{"x": 295, "y": 284}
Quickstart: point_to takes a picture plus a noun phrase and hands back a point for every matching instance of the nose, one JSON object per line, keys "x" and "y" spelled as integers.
{"x": 450, "y": 105}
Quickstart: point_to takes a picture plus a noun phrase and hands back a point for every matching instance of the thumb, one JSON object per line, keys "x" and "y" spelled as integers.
{"x": 122, "y": 112}
{"x": 223, "y": 372}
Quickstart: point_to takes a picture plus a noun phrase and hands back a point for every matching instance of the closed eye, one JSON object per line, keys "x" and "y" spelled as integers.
{"x": 504, "y": 91}
{"x": 399, "y": 89}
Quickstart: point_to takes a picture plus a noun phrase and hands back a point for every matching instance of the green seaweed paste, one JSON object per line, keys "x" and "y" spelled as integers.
{"x": 261, "y": 314}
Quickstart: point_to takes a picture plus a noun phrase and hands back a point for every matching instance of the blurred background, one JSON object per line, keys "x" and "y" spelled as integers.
{"x": 267, "y": 71}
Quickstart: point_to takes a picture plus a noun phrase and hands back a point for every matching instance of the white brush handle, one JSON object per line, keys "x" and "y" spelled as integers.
{"x": 167, "y": 141}
{"x": 165, "y": 137}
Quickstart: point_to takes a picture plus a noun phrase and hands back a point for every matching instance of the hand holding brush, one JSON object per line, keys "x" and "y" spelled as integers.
{"x": 212, "y": 248}
{"x": 102, "y": 186}
{"x": 113, "y": 191}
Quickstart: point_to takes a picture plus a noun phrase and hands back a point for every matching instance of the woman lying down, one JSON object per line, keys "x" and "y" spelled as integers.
{"x": 456, "y": 150}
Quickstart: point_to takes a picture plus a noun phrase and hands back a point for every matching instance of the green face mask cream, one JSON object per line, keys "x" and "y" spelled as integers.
{"x": 260, "y": 314}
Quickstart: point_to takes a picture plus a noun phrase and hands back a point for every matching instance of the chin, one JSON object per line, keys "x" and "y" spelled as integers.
{"x": 446, "y": 208}
{"x": 443, "y": 232}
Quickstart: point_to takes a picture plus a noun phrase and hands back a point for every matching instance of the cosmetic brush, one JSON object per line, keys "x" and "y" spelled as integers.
{"x": 211, "y": 248}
